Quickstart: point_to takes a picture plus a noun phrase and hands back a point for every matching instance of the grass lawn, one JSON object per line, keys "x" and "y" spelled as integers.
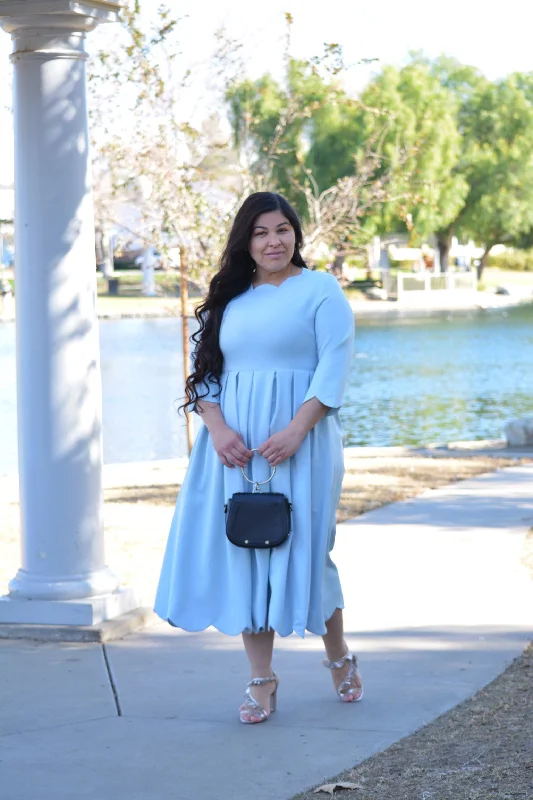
{"x": 131, "y": 302}
{"x": 493, "y": 276}
{"x": 167, "y": 283}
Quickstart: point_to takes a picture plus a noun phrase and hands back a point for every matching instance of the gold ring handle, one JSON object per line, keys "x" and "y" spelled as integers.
{"x": 258, "y": 483}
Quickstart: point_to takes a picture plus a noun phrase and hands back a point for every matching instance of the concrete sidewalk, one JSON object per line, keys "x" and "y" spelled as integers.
{"x": 438, "y": 602}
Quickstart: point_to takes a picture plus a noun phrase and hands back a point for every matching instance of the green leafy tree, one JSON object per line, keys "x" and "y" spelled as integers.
{"x": 463, "y": 81}
{"x": 419, "y": 118}
{"x": 409, "y": 120}
{"x": 306, "y": 138}
{"x": 338, "y": 135}
{"x": 272, "y": 123}
{"x": 498, "y": 142}
{"x": 494, "y": 120}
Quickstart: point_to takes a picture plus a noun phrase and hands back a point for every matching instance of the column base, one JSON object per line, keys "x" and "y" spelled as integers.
{"x": 30, "y": 586}
{"x": 89, "y": 611}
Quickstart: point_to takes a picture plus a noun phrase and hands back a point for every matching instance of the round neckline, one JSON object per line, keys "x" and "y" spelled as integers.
{"x": 278, "y": 286}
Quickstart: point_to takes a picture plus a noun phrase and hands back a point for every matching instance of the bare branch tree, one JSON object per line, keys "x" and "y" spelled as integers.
{"x": 151, "y": 180}
{"x": 336, "y": 217}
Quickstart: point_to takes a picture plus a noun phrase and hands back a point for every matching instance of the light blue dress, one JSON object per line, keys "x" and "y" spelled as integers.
{"x": 282, "y": 346}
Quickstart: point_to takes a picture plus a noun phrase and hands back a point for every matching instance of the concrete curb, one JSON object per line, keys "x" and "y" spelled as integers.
{"x": 483, "y": 302}
{"x": 369, "y": 309}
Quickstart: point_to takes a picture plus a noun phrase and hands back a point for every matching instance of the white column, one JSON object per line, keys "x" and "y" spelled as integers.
{"x": 148, "y": 267}
{"x": 63, "y": 578}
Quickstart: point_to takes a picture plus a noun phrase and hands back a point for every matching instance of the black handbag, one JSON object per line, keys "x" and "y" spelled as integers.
{"x": 258, "y": 520}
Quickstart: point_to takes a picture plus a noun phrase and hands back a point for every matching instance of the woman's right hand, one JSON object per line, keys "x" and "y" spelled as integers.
{"x": 230, "y": 447}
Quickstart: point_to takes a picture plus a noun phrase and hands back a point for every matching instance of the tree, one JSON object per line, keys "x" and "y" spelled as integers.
{"x": 185, "y": 183}
{"x": 420, "y": 119}
{"x": 337, "y": 217}
{"x": 498, "y": 165}
{"x": 338, "y": 135}
{"x": 148, "y": 161}
{"x": 495, "y": 124}
{"x": 271, "y": 123}
{"x": 298, "y": 138}
{"x": 462, "y": 81}
{"x": 406, "y": 122}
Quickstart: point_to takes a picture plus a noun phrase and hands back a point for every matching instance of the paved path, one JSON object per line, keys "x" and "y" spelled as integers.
{"x": 438, "y": 603}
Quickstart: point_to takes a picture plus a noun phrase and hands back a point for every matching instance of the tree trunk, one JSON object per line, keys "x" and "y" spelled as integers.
{"x": 483, "y": 263}
{"x": 336, "y": 267}
{"x": 444, "y": 241}
{"x": 184, "y": 292}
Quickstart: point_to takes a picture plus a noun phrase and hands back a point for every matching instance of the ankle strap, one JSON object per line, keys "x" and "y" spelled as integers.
{"x": 262, "y": 681}
{"x": 349, "y": 657}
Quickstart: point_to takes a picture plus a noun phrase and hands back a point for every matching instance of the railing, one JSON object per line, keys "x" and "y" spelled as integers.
{"x": 412, "y": 283}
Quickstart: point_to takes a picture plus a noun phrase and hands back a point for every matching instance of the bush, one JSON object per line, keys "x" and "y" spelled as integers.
{"x": 402, "y": 265}
{"x": 320, "y": 264}
{"x": 521, "y": 260}
{"x": 356, "y": 261}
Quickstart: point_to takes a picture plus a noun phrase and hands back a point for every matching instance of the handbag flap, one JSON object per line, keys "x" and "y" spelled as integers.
{"x": 258, "y": 520}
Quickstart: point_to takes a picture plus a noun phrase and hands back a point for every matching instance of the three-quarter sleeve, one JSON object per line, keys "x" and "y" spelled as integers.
{"x": 208, "y": 387}
{"x": 334, "y": 332}
{"x": 212, "y": 388}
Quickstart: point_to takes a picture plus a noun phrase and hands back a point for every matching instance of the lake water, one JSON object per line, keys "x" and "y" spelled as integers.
{"x": 434, "y": 379}
{"x": 442, "y": 378}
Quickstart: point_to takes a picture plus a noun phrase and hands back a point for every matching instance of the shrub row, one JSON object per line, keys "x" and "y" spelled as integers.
{"x": 513, "y": 259}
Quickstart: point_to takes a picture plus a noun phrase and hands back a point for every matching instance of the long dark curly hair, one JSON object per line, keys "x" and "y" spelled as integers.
{"x": 233, "y": 278}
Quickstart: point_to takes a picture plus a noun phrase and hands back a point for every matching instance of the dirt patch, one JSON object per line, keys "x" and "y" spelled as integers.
{"x": 155, "y": 495}
{"x": 369, "y": 482}
{"x": 480, "y": 750}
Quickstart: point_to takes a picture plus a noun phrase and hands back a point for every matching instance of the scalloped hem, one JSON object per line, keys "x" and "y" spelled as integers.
{"x": 222, "y": 629}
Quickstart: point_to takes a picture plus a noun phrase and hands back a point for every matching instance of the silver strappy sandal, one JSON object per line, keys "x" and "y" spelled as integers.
{"x": 347, "y": 691}
{"x": 251, "y": 707}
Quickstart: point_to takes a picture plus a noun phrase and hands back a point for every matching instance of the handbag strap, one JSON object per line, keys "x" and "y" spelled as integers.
{"x": 257, "y": 484}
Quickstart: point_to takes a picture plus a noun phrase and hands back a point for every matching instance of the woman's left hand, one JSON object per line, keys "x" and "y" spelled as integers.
{"x": 281, "y": 446}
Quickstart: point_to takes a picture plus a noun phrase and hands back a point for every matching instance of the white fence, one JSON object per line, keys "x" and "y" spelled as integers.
{"x": 414, "y": 286}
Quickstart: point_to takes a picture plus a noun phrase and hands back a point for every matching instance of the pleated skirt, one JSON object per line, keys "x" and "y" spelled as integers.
{"x": 205, "y": 580}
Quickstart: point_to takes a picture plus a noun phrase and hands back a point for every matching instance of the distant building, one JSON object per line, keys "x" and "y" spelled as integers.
{"x": 7, "y": 203}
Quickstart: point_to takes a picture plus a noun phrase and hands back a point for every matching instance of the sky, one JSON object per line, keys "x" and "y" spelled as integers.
{"x": 493, "y": 36}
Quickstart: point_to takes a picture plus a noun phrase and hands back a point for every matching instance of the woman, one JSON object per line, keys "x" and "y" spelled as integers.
{"x": 271, "y": 360}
